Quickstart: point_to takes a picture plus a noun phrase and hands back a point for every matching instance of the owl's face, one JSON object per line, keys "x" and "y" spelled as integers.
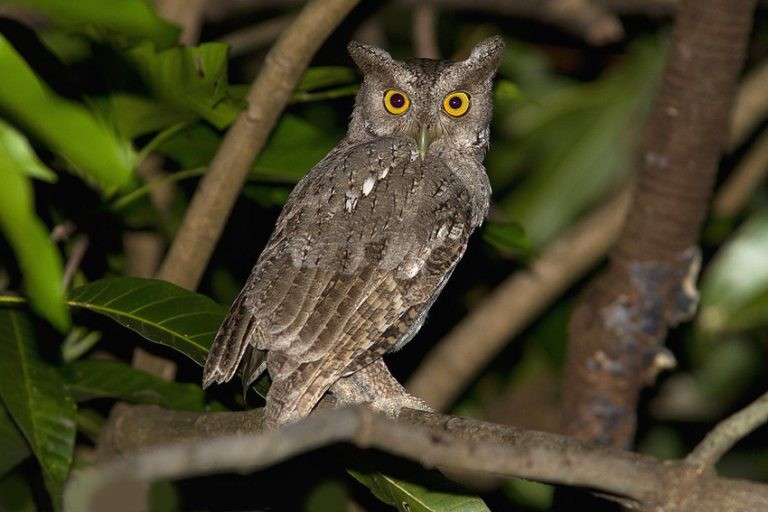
{"x": 441, "y": 105}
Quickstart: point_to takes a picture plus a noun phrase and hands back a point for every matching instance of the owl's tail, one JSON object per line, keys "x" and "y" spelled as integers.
{"x": 232, "y": 342}
{"x": 293, "y": 397}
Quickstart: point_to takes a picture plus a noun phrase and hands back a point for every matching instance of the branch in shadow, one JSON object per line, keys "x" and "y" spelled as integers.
{"x": 231, "y": 442}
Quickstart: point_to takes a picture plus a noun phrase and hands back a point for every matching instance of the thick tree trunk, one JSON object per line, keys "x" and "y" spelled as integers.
{"x": 617, "y": 332}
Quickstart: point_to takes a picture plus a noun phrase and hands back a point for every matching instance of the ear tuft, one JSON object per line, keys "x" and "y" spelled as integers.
{"x": 368, "y": 57}
{"x": 486, "y": 55}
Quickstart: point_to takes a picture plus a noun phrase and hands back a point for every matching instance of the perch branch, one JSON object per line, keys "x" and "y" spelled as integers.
{"x": 484, "y": 332}
{"x": 434, "y": 440}
{"x": 617, "y": 332}
{"x": 216, "y": 194}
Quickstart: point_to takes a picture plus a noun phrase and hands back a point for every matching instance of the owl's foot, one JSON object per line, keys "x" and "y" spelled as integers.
{"x": 375, "y": 386}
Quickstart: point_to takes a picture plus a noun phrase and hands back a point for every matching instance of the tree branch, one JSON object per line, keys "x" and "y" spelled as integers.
{"x": 618, "y": 330}
{"x": 729, "y": 432}
{"x": 434, "y": 440}
{"x": 216, "y": 194}
{"x": 587, "y": 19}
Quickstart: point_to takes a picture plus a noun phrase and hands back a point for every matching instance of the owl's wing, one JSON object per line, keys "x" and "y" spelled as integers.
{"x": 361, "y": 249}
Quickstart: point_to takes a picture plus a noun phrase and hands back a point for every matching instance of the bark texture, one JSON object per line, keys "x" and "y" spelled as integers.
{"x": 617, "y": 332}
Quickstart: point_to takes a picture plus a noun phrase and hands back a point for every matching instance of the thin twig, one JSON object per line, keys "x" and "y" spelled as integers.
{"x": 653, "y": 8}
{"x": 582, "y": 18}
{"x": 484, "y": 332}
{"x": 750, "y": 106}
{"x": 187, "y": 14}
{"x": 587, "y": 19}
{"x": 743, "y": 180}
{"x": 270, "y": 92}
{"x": 79, "y": 248}
{"x": 728, "y": 432}
{"x": 256, "y": 36}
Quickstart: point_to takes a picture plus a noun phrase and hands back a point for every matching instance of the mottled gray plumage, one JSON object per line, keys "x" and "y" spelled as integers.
{"x": 368, "y": 238}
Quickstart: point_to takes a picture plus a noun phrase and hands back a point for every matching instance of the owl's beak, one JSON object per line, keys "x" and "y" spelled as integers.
{"x": 425, "y": 139}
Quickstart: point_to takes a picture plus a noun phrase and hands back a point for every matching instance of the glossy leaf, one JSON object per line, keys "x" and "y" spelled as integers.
{"x": 13, "y": 447}
{"x": 192, "y": 79}
{"x": 734, "y": 288}
{"x": 413, "y": 497}
{"x": 96, "y": 379}
{"x": 68, "y": 128}
{"x": 34, "y": 394}
{"x": 129, "y": 18}
{"x": 37, "y": 256}
{"x": 157, "y": 310}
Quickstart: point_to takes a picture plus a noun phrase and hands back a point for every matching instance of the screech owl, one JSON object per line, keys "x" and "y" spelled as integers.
{"x": 369, "y": 237}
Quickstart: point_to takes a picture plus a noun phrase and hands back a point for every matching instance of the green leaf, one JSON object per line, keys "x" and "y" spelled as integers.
{"x": 38, "y": 257}
{"x": 13, "y": 447}
{"x": 67, "y": 127}
{"x": 294, "y": 147}
{"x": 571, "y": 145}
{"x": 159, "y": 311}
{"x": 507, "y": 90}
{"x": 508, "y": 237}
{"x": 98, "y": 379}
{"x": 16, "y": 151}
{"x": 89, "y": 423}
{"x": 408, "y": 496}
{"x": 325, "y": 82}
{"x": 132, "y": 19}
{"x": 190, "y": 79}
{"x": 319, "y": 77}
{"x": 734, "y": 289}
{"x": 36, "y": 398}
{"x": 136, "y": 115}
{"x": 326, "y": 94}
{"x": 193, "y": 147}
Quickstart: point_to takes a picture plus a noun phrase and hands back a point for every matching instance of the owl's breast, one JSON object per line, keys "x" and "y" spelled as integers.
{"x": 380, "y": 203}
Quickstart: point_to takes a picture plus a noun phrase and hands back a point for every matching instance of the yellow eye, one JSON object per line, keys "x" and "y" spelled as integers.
{"x": 456, "y": 103}
{"x": 396, "y": 102}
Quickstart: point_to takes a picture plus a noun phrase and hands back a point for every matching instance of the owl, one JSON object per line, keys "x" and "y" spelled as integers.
{"x": 369, "y": 237}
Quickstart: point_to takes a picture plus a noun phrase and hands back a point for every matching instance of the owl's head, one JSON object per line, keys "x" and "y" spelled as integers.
{"x": 440, "y": 104}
